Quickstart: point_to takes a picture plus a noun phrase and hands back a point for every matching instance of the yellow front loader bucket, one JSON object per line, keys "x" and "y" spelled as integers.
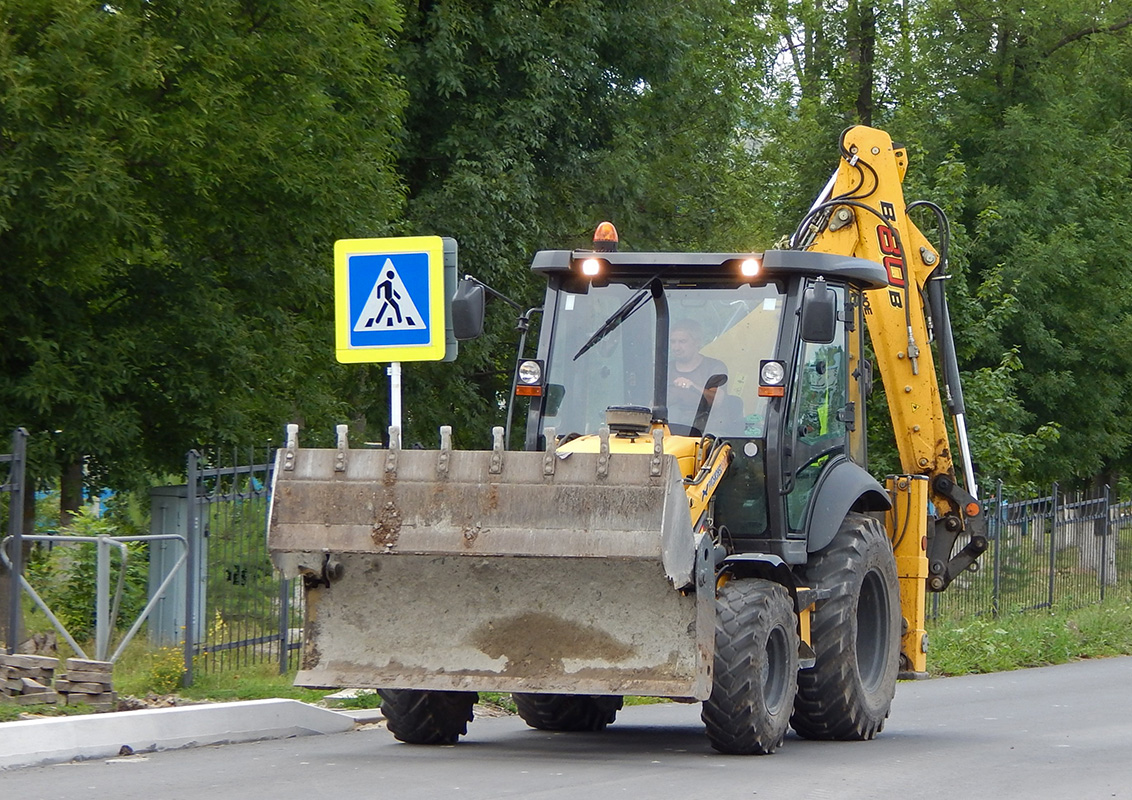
{"x": 495, "y": 570}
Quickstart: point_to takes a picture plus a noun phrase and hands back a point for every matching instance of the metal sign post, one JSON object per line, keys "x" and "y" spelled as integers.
{"x": 394, "y": 372}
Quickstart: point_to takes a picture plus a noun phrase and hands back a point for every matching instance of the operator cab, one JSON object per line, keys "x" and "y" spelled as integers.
{"x": 709, "y": 348}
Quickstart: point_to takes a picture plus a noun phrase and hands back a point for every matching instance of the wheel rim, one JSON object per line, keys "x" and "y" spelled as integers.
{"x": 774, "y": 678}
{"x": 872, "y": 630}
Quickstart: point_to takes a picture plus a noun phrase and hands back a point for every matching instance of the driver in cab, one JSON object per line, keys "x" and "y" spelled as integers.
{"x": 692, "y": 376}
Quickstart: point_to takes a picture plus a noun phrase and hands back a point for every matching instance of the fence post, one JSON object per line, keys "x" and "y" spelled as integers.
{"x": 16, "y": 480}
{"x": 284, "y": 624}
{"x": 193, "y": 478}
{"x": 1053, "y": 542}
{"x": 102, "y": 619}
{"x": 285, "y": 584}
{"x": 999, "y": 525}
{"x": 1104, "y": 541}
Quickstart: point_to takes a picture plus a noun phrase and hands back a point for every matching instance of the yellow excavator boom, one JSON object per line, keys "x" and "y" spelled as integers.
{"x": 863, "y": 213}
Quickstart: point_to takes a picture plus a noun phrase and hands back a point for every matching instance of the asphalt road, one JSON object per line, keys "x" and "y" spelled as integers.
{"x": 1056, "y": 732}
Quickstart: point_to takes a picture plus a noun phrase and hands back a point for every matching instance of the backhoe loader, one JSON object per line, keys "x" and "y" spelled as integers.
{"x": 690, "y": 516}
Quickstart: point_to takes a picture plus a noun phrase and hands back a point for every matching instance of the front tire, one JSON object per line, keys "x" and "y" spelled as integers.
{"x": 567, "y": 712}
{"x": 856, "y": 636}
{"x": 756, "y": 668}
{"x": 427, "y": 717}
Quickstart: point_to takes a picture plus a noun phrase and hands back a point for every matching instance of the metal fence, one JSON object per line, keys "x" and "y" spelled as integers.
{"x": 13, "y": 484}
{"x": 234, "y": 609}
{"x": 248, "y": 613}
{"x": 212, "y": 586}
{"x": 1063, "y": 551}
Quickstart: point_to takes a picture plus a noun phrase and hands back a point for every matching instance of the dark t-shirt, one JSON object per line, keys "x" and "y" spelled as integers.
{"x": 683, "y": 403}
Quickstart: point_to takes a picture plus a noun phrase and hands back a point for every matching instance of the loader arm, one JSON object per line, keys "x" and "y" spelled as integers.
{"x": 862, "y": 213}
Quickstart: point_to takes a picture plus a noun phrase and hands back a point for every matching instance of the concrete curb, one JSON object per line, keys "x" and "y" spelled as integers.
{"x": 362, "y": 716}
{"x": 58, "y": 739}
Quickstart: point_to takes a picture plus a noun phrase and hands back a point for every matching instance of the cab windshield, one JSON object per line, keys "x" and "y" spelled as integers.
{"x": 717, "y": 337}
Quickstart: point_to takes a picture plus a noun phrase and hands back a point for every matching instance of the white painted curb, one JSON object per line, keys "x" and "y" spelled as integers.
{"x": 52, "y": 740}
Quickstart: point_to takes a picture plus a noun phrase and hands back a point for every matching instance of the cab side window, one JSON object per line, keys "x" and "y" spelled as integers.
{"x": 822, "y": 393}
{"x": 818, "y": 399}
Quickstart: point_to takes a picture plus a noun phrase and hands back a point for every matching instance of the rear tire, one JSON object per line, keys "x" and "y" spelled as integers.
{"x": 427, "y": 717}
{"x": 567, "y": 712}
{"x": 756, "y": 668}
{"x": 856, "y": 635}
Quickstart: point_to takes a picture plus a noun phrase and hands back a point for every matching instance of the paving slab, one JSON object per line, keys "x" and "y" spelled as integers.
{"x": 55, "y": 740}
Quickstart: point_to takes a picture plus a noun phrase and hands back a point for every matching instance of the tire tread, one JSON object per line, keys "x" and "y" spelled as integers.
{"x": 418, "y": 716}
{"x": 736, "y": 716}
{"x": 832, "y": 703}
{"x": 567, "y": 712}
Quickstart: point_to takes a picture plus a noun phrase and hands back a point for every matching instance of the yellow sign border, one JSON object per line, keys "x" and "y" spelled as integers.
{"x": 344, "y": 249}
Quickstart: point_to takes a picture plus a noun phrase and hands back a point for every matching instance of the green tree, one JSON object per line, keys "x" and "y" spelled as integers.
{"x": 1017, "y": 122}
{"x": 171, "y": 178}
{"x": 1039, "y": 112}
{"x": 529, "y": 122}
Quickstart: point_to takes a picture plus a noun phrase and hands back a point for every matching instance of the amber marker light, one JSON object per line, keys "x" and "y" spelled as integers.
{"x": 973, "y": 509}
{"x": 605, "y": 238}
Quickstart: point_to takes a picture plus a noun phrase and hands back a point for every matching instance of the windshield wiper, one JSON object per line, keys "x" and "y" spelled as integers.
{"x": 627, "y": 309}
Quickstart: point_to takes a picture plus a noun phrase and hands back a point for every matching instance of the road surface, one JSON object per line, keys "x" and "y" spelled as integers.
{"x": 1056, "y": 732}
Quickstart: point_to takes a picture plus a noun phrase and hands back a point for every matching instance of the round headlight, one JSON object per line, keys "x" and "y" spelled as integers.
{"x": 772, "y": 373}
{"x": 530, "y": 373}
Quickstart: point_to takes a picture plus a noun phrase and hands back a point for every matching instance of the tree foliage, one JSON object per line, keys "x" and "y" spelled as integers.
{"x": 1041, "y": 118}
{"x": 171, "y": 177}
{"x": 1017, "y": 120}
{"x": 528, "y": 123}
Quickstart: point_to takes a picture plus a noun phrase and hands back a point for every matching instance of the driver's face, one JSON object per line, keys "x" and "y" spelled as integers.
{"x": 682, "y": 345}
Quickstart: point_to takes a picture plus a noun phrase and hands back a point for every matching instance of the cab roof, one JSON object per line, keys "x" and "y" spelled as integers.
{"x": 713, "y": 267}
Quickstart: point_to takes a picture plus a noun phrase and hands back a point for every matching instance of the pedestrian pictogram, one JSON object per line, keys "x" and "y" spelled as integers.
{"x": 389, "y": 299}
{"x": 389, "y": 307}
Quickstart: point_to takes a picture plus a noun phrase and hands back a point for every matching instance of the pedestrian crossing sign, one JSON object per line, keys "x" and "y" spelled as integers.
{"x": 389, "y": 302}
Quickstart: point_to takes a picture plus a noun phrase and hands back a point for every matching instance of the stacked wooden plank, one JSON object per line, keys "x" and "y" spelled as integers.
{"x": 89, "y": 682}
{"x": 26, "y": 680}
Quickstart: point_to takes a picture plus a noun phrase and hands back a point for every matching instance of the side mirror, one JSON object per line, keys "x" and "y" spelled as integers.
{"x": 819, "y": 314}
{"x": 468, "y": 310}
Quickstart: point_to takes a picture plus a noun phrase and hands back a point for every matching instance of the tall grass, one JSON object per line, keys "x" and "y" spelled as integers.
{"x": 1031, "y": 639}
